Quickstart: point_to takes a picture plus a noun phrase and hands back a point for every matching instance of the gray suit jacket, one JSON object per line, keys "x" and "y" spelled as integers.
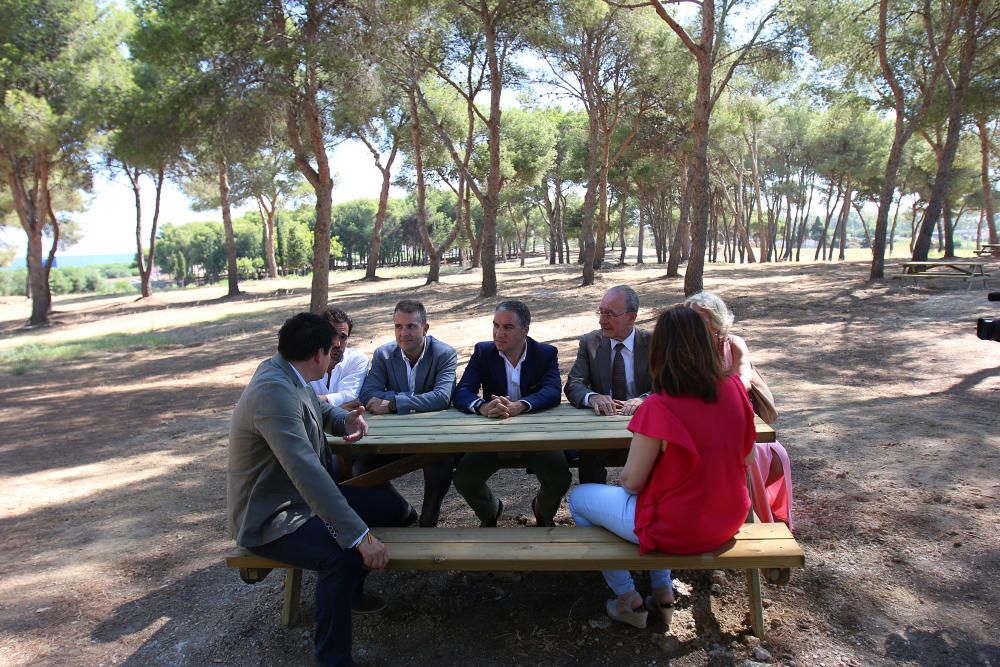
{"x": 278, "y": 476}
{"x": 591, "y": 371}
{"x": 434, "y": 384}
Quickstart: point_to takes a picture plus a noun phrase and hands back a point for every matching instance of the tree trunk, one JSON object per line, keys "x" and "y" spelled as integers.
{"x": 681, "y": 238}
{"x": 761, "y": 228}
{"x": 942, "y": 180}
{"x": 984, "y": 176}
{"x": 227, "y": 223}
{"x": 621, "y": 224}
{"x": 902, "y": 130}
{"x": 32, "y": 206}
{"x": 375, "y": 249}
{"x": 587, "y": 234}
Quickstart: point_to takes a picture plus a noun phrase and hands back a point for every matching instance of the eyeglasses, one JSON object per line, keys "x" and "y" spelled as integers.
{"x": 607, "y": 313}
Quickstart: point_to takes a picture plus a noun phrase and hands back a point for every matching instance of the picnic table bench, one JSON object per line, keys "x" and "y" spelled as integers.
{"x": 968, "y": 271}
{"x": 758, "y": 546}
{"x": 767, "y": 546}
{"x": 988, "y": 249}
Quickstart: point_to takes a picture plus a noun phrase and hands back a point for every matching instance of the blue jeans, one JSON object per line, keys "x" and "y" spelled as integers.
{"x": 612, "y": 508}
{"x": 340, "y": 572}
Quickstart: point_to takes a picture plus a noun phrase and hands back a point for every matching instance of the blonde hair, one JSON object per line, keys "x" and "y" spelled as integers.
{"x": 710, "y": 302}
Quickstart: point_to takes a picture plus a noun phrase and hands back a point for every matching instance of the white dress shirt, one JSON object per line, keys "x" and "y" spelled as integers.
{"x": 411, "y": 371}
{"x": 343, "y": 383}
{"x": 513, "y": 372}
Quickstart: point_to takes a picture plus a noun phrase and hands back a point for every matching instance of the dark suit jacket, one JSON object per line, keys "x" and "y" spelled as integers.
{"x": 539, "y": 376}
{"x": 434, "y": 384}
{"x": 277, "y": 477}
{"x": 591, "y": 371}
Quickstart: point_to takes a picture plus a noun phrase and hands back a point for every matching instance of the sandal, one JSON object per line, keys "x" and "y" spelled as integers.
{"x": 634, "y": 617}
{"x": 666, "y": 610}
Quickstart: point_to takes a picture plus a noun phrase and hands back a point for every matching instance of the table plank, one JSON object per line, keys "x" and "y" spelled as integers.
{"x": 451, "y": 431}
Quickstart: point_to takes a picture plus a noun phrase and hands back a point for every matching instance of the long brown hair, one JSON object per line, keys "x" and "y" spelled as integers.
{"x": 682, "y": 358}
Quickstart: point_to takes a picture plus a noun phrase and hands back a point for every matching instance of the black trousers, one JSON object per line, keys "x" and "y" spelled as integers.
{"x": 437, "y": 480}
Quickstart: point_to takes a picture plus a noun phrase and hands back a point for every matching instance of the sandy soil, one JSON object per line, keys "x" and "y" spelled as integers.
{"x": 112, "y": 484}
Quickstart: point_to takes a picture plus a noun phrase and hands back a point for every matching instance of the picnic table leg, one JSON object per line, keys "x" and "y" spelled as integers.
{"x": 293, "y": 587}
{"x": 756, "y": 602}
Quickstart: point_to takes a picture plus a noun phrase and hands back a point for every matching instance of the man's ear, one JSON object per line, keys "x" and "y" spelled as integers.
{"x": 427, "y": 325}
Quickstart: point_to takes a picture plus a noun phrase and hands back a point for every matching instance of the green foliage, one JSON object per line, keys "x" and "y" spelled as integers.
{"x": 35, "y": 355}
{"x": 14, "y": 283}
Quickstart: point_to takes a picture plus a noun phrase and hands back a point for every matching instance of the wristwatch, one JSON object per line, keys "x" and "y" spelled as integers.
{"x": 392, "y": 405}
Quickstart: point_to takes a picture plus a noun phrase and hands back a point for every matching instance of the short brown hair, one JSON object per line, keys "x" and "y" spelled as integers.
{"x": 335, "y": 315}
{"x": 410, "y": 306}
{"x": 682, "y": 358}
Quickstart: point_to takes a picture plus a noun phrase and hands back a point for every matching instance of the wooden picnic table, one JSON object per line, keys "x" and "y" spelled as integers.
{"x": 966, "y": 270}
{"x": 767, "y": 547}
{"x": 421, "y": 435}
{"x": 988, "y": 249}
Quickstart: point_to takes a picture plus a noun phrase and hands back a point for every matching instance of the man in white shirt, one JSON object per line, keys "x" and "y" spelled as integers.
{"x": 611, "y": 373}
{"x": 341, "y": 383}
{"x": 514, "y": 374}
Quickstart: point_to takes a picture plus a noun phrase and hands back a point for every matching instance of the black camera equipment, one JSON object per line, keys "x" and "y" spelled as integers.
{"x": 988, "y": 328}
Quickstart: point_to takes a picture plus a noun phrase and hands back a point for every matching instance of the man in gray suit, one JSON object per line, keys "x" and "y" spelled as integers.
{"x": 282, "y": 501}
{"x": 414, "y": 374}
{"x": 611, "y": 371}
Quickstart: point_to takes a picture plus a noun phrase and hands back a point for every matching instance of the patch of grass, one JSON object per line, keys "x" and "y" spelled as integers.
{"x": 20, "y": 359}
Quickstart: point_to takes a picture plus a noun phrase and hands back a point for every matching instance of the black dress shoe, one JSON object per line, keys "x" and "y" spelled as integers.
{"x": 496, "y": 517}
{"x": 539, "y": 519}
{"x": 367, "y": 603}
{"x": 411, "y": 518}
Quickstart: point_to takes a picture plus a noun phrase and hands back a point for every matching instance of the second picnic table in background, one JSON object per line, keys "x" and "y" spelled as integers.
{"x": 969, "y": 271}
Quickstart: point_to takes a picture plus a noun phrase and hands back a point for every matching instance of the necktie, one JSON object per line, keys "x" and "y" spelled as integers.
{"x": 619, "y": 385}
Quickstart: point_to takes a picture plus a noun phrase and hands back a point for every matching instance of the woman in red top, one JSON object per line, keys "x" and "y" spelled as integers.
{"x": 684, "y": 484}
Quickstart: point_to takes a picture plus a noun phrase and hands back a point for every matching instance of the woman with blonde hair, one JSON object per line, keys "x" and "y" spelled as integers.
{"x": 683, "y": 488}
{"x": 771, "y": 472}
{"x": 732, "y": 349}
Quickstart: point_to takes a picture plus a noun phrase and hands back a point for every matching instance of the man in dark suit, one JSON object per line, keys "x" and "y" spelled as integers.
{"x": 516, "y": 374}
{"x": 414, "y": 374}
{"x": 611, "y": 371}
{"x": 282, "y": 501}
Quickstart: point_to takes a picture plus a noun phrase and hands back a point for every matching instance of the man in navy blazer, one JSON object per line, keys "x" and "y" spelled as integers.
{"x": 514, "y": 374}
{"x": 414, "y": 374}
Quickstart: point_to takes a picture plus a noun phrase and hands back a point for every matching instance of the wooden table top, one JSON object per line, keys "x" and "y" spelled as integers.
{"x": 451, "y": 432}
{"x": 962, "y": 266}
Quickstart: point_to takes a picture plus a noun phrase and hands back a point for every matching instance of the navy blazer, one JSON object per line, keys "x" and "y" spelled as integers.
{"x": 540, "y": 384}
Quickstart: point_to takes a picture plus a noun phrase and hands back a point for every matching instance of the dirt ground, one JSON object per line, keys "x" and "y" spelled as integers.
{"x": 113, "y": 473}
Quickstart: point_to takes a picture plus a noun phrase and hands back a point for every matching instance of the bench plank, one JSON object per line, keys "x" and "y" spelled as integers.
{"x": 563, "y": 548}
{"x": 533, "y": 535}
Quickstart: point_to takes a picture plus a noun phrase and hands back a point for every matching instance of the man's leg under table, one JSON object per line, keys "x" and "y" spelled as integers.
{"x": 340, "y": 576}
{"x": 437, "y": 481}
{"x": 554, "y": 478}
{"x": 471, "y": 476}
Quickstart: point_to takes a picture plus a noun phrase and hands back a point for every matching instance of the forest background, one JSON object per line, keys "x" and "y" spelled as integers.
{"x": 718, "y": 131}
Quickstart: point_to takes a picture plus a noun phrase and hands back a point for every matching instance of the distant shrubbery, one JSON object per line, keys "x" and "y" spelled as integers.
{"x": 73, "y": 280}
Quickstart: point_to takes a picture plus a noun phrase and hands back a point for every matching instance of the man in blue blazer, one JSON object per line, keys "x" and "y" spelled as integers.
{"x": 515, "y": 374}
{"x": 414, "y": 374}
